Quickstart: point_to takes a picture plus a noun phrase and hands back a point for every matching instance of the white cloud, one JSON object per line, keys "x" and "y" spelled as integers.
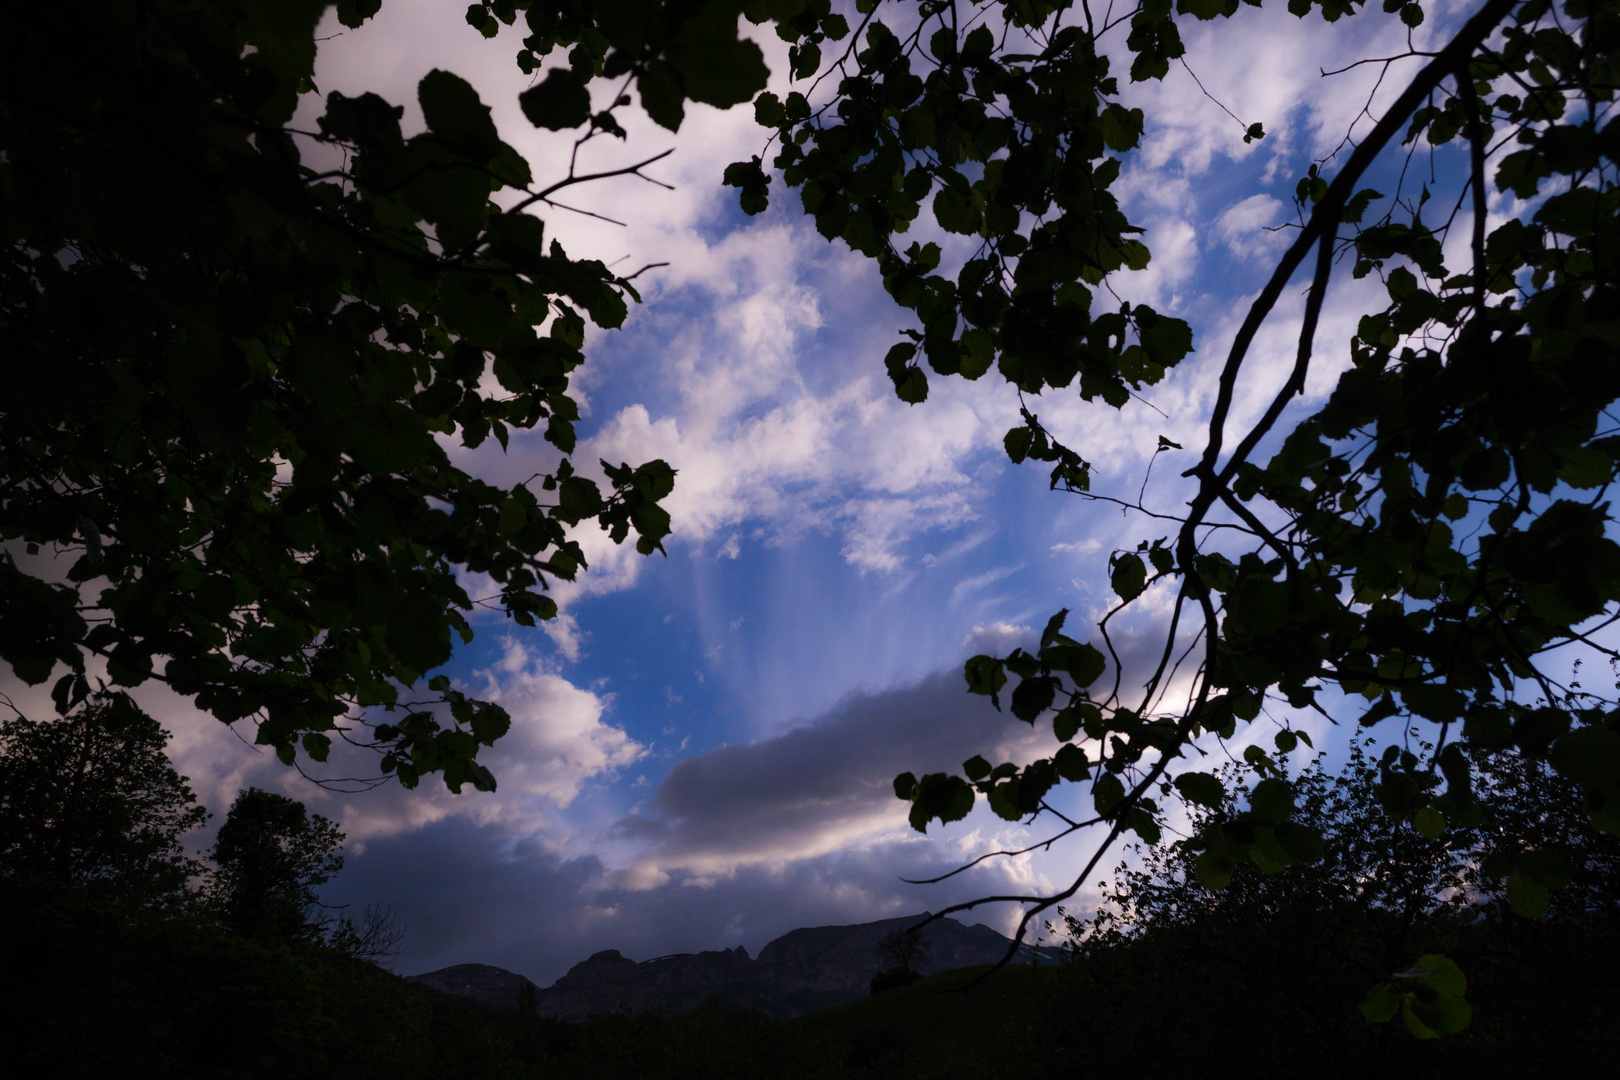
{"x": 1244, "y": 226}
{"x": 758, "y": 433}
{"x": 560, "y": 742}
{"x": 981, "y": 581}
{"x": 565, "y": 634}
{"x": 1175, "y": 258}
{"x": 998, "y": 638}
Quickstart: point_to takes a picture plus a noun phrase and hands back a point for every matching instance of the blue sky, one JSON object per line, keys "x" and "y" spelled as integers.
{"x": 704, "y": 743}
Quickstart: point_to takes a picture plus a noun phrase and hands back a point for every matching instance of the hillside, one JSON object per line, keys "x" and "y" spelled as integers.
{"x": 800, "y": 972}
{"x": 958, "y": 1023}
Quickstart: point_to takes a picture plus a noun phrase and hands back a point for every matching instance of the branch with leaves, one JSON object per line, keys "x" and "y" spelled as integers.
{"x": 232, "y": 375}
{"x": 1422, "y": 542}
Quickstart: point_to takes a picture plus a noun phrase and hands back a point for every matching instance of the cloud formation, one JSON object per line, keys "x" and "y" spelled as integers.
{"x": 1243, "y": 226}
{"x": 753, "y": 368}
{"x": 562, "y": 741}
{"x": 817, "y": 789}
{"x": 737, "y": 846}
{"x": 466, "y": 894}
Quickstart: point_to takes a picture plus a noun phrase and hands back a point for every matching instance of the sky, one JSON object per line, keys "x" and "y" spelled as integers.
{"x": 704, "y": 743}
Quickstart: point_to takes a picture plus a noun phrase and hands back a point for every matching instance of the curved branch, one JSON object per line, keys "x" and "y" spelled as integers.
{"x": 570, "y": 180}
{"x": 1472, "y": 34}
{"x": 1476, "y": 156}
{"x": 1047, "y": 843}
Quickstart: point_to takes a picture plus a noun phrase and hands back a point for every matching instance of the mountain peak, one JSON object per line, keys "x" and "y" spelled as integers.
{"x": 803, "y": 970}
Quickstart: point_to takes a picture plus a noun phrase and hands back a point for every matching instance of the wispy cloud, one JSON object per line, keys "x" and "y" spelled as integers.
{"x": 974, "y": 584}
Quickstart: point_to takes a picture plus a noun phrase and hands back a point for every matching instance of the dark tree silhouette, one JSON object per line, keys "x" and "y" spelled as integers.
{"x": 903, "y": 949}
{"x": 90, "y": 800}
{"x": 900, "y": 951}
{"x": 270, "y": 858}
{"x": 267, "y": 328}
{"x": 375, "y": 936}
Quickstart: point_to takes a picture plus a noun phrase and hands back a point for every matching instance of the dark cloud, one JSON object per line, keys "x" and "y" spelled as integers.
{"x": 740, "y": 845}
{"x": 466, "y": 895}
{"x": 820, "y": 786}
{"x": 637, "y": 829}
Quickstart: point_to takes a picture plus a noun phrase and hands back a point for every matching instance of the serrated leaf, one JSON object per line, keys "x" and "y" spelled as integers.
{"x": 905, "y": 786}
{"x": 1590, "y": 756}
{"x": 955, "y": 211}
{"x": 768, "y": 110}
{"x": 912, "y": 386}
{"x": 1381, "y": 1004}
{"x": 317, "y": 746}
{"x": 454, "y": 112}
{"x": 1121, "y": 127}
{"x": 1526, "y": 897}
{"x": 1054, "y": 626}
{"x": 716, "y": 67}
{"x": 1071, "y": 763}
{"x": 1213, "y": 870}
{"x": 661, "y": 95}
{"x": 1129, "y": 576}
{"x": 1107, "y": 793}
{"x": 1201, "y": 788}
{"x": 985, "y": 675}
{"x": 1429, "y": 822}
{"x": 1033, "y": 696}
{"x": 559, "y": 102}
{"x": 512, "y": 518}
{"x": 1143, "y": 824}
{"x": 1003, "y": 801}
{"x": 1017, "y": 443}
{"x": 1084, "y": 664}
{"x": 1066, "y": 723}
{"x": 1272, "y": 800}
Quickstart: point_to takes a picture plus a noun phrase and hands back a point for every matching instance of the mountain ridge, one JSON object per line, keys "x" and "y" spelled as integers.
{"x": 804, "y": 970}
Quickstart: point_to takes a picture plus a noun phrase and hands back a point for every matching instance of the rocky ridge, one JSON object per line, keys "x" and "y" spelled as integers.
{"x": 799, "y": 972}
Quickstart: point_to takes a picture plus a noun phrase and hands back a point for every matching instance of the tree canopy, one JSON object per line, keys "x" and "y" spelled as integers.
{"x": 236, "y": 350}
{"x": 230, "y": 378}
{"x": 269, "y": 859}
{"x": 1422, "y": 543}
{"x": 90, "y": 801}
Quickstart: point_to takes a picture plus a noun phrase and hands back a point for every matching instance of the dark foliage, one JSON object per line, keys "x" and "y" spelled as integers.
{"x": 231, "y": 347}
{"x": 92, "y": 991}
{"x": 375, "y": 936}
{"x": 1423, "y": 541}
{"x": 1294, "y": 952}
{"x": 269, "y": 859}
{"x": 892, "y": 979}
{"x": 900, "y": 952}
{"x": 903, "y": 949}
{"x": 90, "y": 801}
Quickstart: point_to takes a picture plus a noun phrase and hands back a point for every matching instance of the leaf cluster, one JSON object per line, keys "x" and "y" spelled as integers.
{"x": 240, "y": 353}
{"x": 90, "y": 802}
{"x": 1423, "y": 541}
{"x": 269, "y": 859}
{"x": 676, "y": 52}
{"x": 1381, "y": 890}
{"x": 1014, "y": 151}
